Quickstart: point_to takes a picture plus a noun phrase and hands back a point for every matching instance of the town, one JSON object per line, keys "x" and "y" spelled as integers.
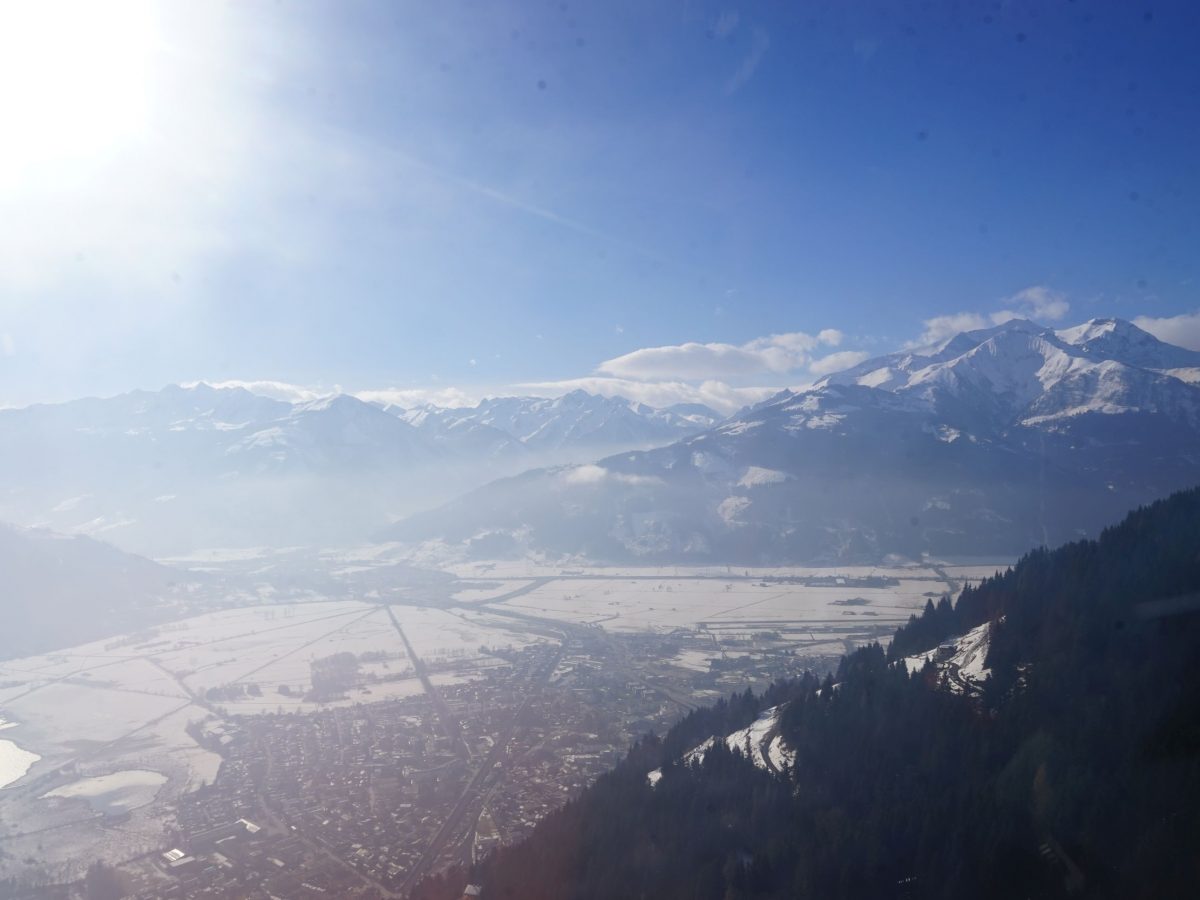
{"x": 362, "y": 801}
{"x": 350, "y": 748}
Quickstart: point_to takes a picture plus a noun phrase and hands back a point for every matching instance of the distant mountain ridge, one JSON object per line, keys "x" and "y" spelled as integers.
{"x": 61, "y": 590}
{"x": 200, "y": 466}
{"x": 986, "y": 443}
{"x": 575, "y": 421}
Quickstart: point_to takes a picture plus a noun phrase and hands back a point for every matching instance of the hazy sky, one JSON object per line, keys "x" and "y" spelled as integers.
{"x": 476, "y": 195}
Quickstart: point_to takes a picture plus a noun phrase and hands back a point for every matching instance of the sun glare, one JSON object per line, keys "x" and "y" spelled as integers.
{"x": 75, "y": 79}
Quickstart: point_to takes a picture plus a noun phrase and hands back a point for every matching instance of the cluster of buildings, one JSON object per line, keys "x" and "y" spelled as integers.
{"x": 362, "y": 801}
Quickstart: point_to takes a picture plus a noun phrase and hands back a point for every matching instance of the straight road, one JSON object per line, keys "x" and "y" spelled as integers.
{"x": 450, "y": 724}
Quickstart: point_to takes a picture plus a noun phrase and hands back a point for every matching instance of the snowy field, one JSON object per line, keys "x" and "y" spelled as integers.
{"x": 118, "y": 792}
{"x": 696, "y": 660}
{"x": 147, "y": 687}
{"x": 102, "y": 729}
{"x": 485, "y": 570}
{"x": 14, "y": 761}
{"x": 476, "y": 591}
{"x": 726, "y": 606}
{"x": 142, "y": 690}
{"x": 99, "y": 692}
{"x": 439, "y": 635}
{"x": 491, "y": 570}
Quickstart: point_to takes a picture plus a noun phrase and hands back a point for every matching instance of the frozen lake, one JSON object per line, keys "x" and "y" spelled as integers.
{"x": 113, "y": 794}
{"x": 14, "y": 761}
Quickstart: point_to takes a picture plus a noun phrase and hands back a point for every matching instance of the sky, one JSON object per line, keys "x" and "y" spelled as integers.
{"x": 669, "y": 201}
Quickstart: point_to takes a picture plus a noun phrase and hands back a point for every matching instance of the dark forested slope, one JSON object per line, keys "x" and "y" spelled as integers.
{"x": 1077, "y": 773}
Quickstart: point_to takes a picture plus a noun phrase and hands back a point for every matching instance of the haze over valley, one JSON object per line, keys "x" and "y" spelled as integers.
{"x": 708, "y": 554}
{"x": 599, "y": 450}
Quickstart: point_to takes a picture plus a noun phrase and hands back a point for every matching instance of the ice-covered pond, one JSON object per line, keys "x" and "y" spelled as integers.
{"x": 116, "y": 793}
{"x": 14, "y": 761}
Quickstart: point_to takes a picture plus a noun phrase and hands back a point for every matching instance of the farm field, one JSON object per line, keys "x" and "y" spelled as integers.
{"x": 667, "y": 605}
{"x": 527, "y": 569}
{"x": 111, "y": 723}
{"x": 110, "y": 727}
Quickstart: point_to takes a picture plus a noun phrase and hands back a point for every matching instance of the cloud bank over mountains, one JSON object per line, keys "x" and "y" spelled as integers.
{"x": 777, "y": 354}
{"x": 1182, "y": 330}
{"x": 1038, "y": 303}
{"x": 726, "y": 376}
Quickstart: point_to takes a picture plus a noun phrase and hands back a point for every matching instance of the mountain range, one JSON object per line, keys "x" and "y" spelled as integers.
{"x": 61, "y": 590}
{"x": 169, "y": 471}
{"x": 575, "y": 424}
{"x": 983, "y": 444}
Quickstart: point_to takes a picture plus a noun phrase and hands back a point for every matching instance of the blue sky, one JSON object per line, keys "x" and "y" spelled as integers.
{"x": 464, "y": 197}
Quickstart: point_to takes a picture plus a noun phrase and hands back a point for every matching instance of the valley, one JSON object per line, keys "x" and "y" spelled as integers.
{"x": 457, "y": 723}
{"x": 599, "y": 451}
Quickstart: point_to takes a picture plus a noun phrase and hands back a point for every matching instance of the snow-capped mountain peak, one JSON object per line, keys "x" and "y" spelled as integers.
{"x": 1022, "y": 372}
{"x": 999, "y": 438}
{"x": 1124, "y": 342}
{"x": 578, "y": 422}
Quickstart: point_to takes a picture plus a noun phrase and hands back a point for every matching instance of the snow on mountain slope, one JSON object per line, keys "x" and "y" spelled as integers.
{"x": 332, "y": 433}
{"x": 174, "y": 409}
{"x": 192, "y": 466}
{"x": 575, "y": 421}
{"x": 1021, "y": 372}
{"x": 1112, "y": 388}
{"x": 463, "y": 437}
{"x": 185, "y": 467}
{"x": 855, "y": 473}
{"x": 1123, "y": 341}
{"x": 960, "y": 661}
{"x": 990, "y": 442}
{"x": 760, "y": 742}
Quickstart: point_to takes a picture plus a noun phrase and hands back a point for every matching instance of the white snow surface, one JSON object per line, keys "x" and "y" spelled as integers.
{"x": 1037, "y": 376}
{"x": 761, "y": 742}
{"x": 757, "y": 476}
{"x": 959, "y": 659}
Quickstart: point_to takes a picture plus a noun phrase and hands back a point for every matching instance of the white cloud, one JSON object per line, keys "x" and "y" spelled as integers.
{"x": 1182, "y": 330}
{"x": 588, "y": 474}
{"x": 939, "y": 328}
{"x": 760, "y": 42}
{"x": 777, "y": 353}
{"x": 836, "y": 362}
{"x": 1037, "y": 302}
{"x": 830, "y": 336}
{"x": 592, "y": 474}
{"x": 722, "y": 397}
